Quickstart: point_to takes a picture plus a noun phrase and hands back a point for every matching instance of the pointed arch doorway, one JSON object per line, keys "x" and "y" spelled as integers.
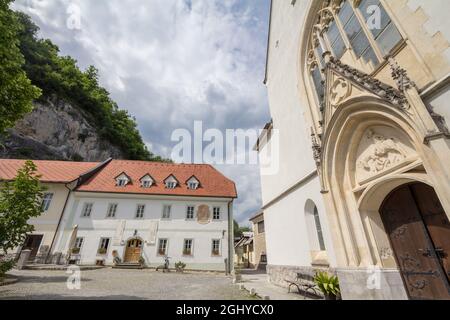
{"x": 419, "y": 233}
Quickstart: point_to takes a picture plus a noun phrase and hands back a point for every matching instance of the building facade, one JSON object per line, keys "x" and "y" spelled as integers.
{"x": 59, "y": 179}
{"x": 259, "y": 240}
{"x": 137, "y": 212}
{"x": 145, "y": 211}
{"x": 358, "y": 93}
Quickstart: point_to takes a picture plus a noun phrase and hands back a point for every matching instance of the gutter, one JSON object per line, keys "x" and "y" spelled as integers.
{"x": 230, "y": 239}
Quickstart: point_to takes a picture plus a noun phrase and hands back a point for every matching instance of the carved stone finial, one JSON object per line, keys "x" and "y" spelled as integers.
{"x": 317, "y": 150}
{"x": 400, "y": 76}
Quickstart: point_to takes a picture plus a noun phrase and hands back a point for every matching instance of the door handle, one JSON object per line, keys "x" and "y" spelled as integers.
{"x": 425, "y": 252}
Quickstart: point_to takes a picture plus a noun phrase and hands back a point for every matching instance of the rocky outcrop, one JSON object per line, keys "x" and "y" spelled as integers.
{"x": 56, "y": 130}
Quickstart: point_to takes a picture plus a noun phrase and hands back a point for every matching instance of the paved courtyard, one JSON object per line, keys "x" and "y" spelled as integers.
{"x": 122, "y": 284}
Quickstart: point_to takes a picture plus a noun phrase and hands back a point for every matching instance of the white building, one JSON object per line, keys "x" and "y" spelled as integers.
{"x": 360, "y": 136}
{"x": 145, "y": 210}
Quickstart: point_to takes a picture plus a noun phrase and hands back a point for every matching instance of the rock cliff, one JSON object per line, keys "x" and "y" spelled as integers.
{"x": 56, "y": 130}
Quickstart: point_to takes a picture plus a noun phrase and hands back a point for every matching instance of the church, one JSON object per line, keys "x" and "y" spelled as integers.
{"x": 358, "y": 94}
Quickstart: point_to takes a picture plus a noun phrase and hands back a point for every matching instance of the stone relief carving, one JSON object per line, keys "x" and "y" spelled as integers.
{"x": 382, "y": 154}
{"x": 340, "y": 90}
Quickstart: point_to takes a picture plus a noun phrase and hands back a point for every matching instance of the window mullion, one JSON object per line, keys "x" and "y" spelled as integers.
{"x": 369, "y": 34}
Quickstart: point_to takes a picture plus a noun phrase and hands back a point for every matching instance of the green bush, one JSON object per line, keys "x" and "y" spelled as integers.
{"x": 5, "y": 266}
{"x": 328, "y": 284}
{"x": 179, "y": 266}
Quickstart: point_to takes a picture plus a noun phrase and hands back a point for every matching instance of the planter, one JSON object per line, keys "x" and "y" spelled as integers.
{"x": 331, "y": 297}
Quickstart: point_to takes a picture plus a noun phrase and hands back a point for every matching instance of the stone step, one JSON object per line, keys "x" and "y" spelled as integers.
{"x": 128, "y": 266}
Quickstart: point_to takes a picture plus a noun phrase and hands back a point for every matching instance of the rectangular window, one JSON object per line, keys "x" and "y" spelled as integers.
{"x": 77, "y": 245}
{"x": 187, "y": 248}
{"x": 162, "y": 247}
{"x": 261, "y": 227}
{"x": 216, "y": 213}
{"x": 103, "y": 246}
{"x": 87, "y": 210}
{"x": 140, "y": 211}
{"x": 112, "y": 208}
{"x": 382, "y": 27}
{"x": 336, "y": 41}
{"x": 79, "y": 242}
{"x": 359, "y": 41}
{"x": 190, "y": 213}
{"x": 46, "y": 200}
{"x": 215, "y": 249}
{"x": 166, "y": 211}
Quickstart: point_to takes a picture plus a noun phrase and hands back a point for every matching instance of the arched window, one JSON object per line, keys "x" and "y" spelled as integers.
{"x": 357, "y": 30}
{"x": 314, "y": 227}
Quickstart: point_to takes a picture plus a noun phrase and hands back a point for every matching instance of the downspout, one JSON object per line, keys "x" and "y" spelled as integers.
{"x": 230, "y": 238}
{"x": 59, "y": 220}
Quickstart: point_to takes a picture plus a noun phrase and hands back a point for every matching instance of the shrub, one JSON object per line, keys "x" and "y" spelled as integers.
{"x": 179, "y": 266}
{"x": 5, "y": 266}
{"x": 328, "y": 284}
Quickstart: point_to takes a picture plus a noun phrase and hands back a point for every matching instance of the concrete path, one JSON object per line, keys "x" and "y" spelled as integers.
{"x": 121, "y": 284}
{"x": 257, "y": 281}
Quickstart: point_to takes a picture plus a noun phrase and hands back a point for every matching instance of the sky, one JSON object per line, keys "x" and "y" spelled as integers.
{"x": 170, "y": 63}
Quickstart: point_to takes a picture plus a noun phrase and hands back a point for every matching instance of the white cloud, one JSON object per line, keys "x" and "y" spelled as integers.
{"x": 171, "y": 62}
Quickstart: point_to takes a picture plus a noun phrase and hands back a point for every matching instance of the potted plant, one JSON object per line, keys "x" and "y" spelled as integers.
{"x": 102, "y": 251}
{"x": 179, "y": 266}
{"x": 328, "y": 284}
{"x": 75, "y": 250}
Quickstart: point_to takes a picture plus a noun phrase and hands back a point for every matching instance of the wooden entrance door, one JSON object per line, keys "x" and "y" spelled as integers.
{"x": 419, "y": 232}
{"x": 32, "y": 242}
{"x": 133, "y": 251}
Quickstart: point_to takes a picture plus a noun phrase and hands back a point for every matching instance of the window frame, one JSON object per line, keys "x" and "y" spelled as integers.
{"x": 191, "y": 248}
{"x": 138, "y": 213}
{"x": 85, "y": 206}
{"x": 108, "y": 211}
{"x": 219, "y": 248}
{"x": 187, "y": 212}
{"x": 166, "y": 247}
{"x": 163, "y": 217}
{"x": 219, "y": 218}
{"x": 47, "y": 199}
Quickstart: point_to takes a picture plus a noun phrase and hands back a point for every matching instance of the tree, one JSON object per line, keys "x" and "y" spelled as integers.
{"x": 20, "y": 200}
{"x": 16, "y": 91}
{"x": 238, "y": 230}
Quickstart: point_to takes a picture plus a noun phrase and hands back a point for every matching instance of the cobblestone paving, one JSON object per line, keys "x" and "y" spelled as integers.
{"x": 123, "y": 285}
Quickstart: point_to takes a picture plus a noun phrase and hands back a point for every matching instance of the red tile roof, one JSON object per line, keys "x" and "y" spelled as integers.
{"x": 51, "y": 171}
{"x": 212, "y": 182}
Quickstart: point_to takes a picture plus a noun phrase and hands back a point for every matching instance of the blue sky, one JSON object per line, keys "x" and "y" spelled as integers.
{"x": 173, "y": 62}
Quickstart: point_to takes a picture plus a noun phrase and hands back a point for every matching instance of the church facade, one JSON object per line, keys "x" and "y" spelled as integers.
{"x": 358, "y": 94}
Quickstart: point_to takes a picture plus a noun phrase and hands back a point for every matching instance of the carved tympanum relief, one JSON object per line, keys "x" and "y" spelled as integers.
{"x": 381, "y": 148}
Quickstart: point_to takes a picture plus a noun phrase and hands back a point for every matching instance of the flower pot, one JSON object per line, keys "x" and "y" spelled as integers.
{"x": 330, "y": 297}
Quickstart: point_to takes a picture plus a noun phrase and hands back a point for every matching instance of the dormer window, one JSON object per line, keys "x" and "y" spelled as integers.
{"x": 171, "y": 182}
{"x": 146, "y": 181}
{"x": 122, "y": 180}
{"x": 192, "y": 183}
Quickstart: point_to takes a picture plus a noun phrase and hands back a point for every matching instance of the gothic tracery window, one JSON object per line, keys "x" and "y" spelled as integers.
{"x": 361, "y": 30}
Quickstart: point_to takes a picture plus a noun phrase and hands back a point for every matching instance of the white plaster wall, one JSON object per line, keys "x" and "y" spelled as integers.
{"x": 175, "y": 229}
{"x": 287, "y": 111}
{"x": 286, "y": 234}
{"x": 286, "y": 228}
{"x": 437, "y": 10}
